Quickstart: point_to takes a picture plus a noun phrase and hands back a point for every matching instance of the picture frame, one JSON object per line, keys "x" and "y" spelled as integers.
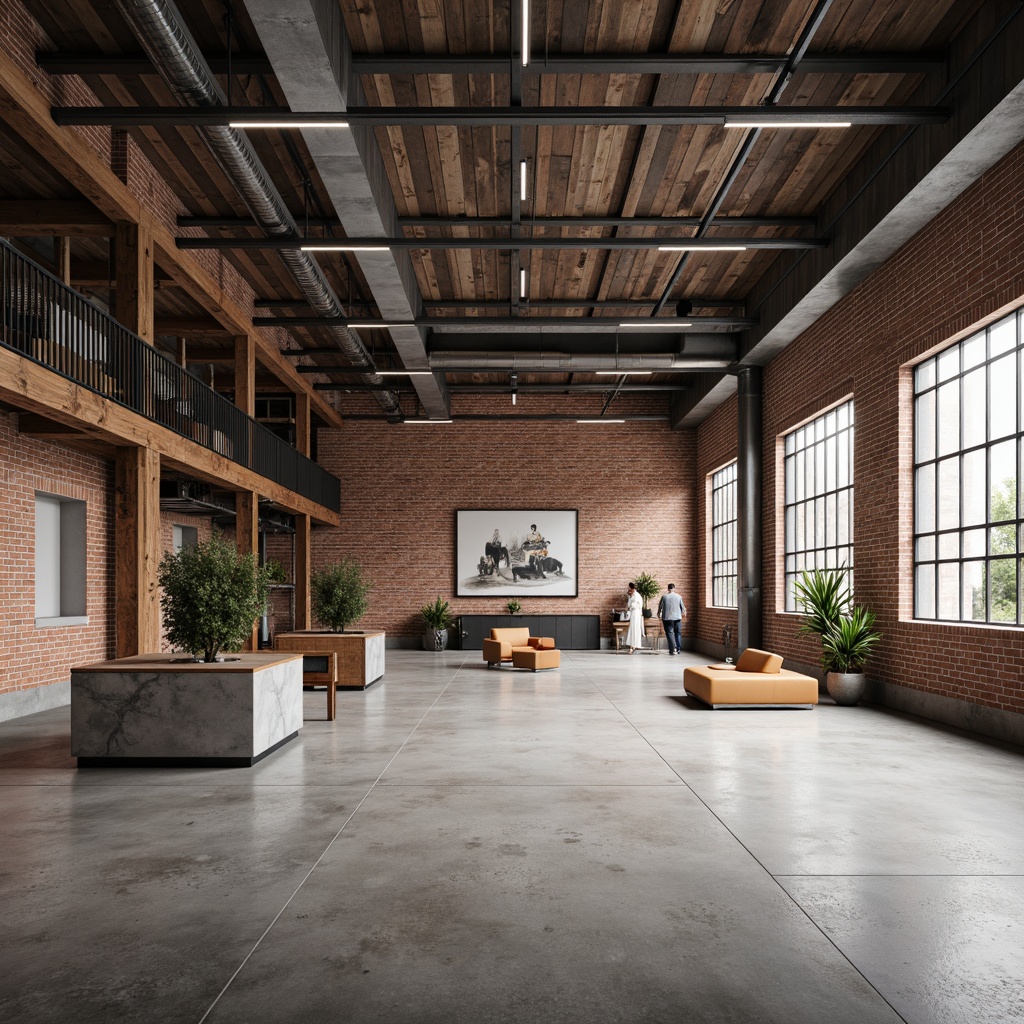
{"x": 512, "y": 552}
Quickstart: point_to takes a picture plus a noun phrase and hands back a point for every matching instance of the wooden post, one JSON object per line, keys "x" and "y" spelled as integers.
{"x": 136, "y": 551}
{"x": 247, "y": 525}
{"x": 302, "y": 423}
{"x": 182, "y": 352}
{"x": 62, "y": 258}
{"x": 245, "y": 374}
{"x": 133, "y": 300}
{"x": 303, "y": 532}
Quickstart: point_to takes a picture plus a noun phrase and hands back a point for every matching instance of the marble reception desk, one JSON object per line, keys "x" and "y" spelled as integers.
{"x": 159, "y": 708}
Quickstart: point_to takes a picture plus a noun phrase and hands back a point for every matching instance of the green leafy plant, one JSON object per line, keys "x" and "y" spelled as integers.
{"x": 275, "y": 571}
{"x": 847, "y": 643}
{"x": 825, "y": 596}
{"x": 647, "y": 587}
{"x": 338, "y": 594}
{"x": 437, "y": 614}
{"x": 514, "y": 607}
{"x": 211, "y": 597}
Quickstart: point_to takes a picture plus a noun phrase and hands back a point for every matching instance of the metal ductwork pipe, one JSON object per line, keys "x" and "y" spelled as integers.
{"x": 169, "y": 45}
{"x": 572, "y": 362}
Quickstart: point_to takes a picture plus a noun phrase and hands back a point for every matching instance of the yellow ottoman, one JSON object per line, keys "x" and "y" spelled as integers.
{"x": 534, "y": 658}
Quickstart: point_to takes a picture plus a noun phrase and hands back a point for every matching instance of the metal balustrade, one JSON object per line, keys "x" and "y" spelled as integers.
{"x": 50, "y": 323}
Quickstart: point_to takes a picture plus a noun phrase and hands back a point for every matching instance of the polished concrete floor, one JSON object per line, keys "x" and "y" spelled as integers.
{"x": 465, "y": 845}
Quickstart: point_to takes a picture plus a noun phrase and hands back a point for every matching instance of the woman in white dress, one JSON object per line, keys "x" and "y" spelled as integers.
{"x": 635, "y": 633}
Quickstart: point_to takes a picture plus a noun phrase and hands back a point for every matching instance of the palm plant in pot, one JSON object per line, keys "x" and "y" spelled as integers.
{"x": 338, "y": 594}
{"x": 211, "y": 596}
{"x": 648, "y": 589}
{"x": 437, "y": 617}
{"x": 846, "y": 631}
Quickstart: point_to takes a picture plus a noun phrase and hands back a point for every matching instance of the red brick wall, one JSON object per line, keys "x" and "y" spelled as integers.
{"x": 961, "y": 271}
{"x": 31, "y": 657}
{"x": 632, "y": 484}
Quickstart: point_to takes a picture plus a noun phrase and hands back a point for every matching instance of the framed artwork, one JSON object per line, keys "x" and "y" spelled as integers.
{"x": 509, "y": 552}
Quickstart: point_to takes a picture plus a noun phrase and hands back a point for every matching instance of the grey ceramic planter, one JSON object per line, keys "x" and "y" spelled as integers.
{"x": 435, "y": 640}
{"x": 846, "y": 688}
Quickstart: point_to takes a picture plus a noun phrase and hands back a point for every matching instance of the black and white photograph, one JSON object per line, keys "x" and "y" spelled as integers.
{"x": 509, "y": 552}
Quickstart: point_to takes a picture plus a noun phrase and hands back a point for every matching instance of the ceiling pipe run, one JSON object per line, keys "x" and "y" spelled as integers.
{"x": 161, "y": 32}
{"x": 574, "y": 362}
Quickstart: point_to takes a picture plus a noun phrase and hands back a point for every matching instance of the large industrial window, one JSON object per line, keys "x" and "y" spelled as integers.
{"x": 60, "y": 561}
{"x": 723, "y": 537}
{"x": 968, "y": 520}
{"x": 819, "y": 497}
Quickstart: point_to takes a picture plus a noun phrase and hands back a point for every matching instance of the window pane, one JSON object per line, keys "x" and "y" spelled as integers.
{"x": 1002, "y": 416}
{"x": 924, "y": 592}
{"x": 949, "y": 417}
{"x": 924, "y": 499}
{"x": 973, "y": 478}
{"x": 1004, "y": 590}
{"x": 974, "y": 591}
{"x": 1002, "y": 336}
{"x": 949, "y": 363}
{"x": 1002, "y": 503}
{"x": 924, "y": 375}
{"x": 949, "y": 590}
{"x": 973, "y": 544}
{"x": 949, "y": 494}
{"x": 949, "y": 545}
{"x": 925, "y": 548}
{"x": 924, "y": 424}
{"x": 973, "y": 353}
{"x": 974, "y": 408}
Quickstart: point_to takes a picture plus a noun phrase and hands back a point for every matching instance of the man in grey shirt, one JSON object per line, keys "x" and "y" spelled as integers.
{"x": 672, "y": 611}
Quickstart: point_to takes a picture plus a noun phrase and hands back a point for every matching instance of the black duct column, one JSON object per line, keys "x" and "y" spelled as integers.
{"x": 748, "y": 494}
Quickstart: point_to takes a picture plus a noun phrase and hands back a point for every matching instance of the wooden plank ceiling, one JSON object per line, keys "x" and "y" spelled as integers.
{"x": 622, "y": 171}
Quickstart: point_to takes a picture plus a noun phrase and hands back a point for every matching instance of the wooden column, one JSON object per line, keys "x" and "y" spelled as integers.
{"x": 247, "y": 524}
{"x": 302, "y": 423}
{"x": 136, "y": 551}
{"x": 245, "y": 374}
{"x": 62, "y": 258}
{"x": 182, "y": 352}
{"x": 303, "y": 533}
{"x": 133, "y": 262}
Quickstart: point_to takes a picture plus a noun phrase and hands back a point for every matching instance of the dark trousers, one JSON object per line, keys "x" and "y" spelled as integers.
{"x": 673, "y": 634}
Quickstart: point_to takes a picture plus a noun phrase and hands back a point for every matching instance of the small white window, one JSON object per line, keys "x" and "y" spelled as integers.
{"x": 60, "y": 561}
{"x": 185, "y": 537}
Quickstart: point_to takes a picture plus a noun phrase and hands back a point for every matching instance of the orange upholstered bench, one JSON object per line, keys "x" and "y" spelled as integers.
{"x": 757, "y": 680}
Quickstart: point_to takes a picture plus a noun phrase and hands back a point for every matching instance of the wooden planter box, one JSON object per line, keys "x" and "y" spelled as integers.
{"x": 360, "y": 654}
{"x": 158, "y": 708}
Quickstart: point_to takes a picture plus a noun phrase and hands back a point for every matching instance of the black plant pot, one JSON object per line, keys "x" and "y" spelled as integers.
{"x": 647, "y": 613}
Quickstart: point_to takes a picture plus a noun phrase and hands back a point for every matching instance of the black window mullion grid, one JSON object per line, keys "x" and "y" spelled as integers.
{"x": 988, "y": 559}
{"x": 723, "y": 545}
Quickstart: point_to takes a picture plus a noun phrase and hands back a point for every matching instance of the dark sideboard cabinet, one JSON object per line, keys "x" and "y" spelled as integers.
{"x": 571, "y": 632}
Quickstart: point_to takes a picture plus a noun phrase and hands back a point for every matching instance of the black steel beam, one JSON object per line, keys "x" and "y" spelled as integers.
{"x": 535, "y": 389}
{"x": 505, "y": 244}
{"x": 554, "y": 64}
{"x": 483, "y": 117}
{"x": 243, "y": 223}
{"x": 140, "y": 64}
{"x": 699, "y": 302}
{"x": 592, "y": 323}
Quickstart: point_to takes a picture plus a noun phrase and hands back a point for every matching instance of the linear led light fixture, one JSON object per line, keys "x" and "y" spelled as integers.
{"x": 403, "y": 373}
{"x": 525, "y": 43}
{"x": 424, "y": 422}
{"x": 788, "y": 124}
{"x": 344, "y": 248}
{"x": 602, "y": 420}
{"x": 312, "y": 123}
{"x": 702, "y": 248}
{"x": 360, "y": 327}
{"x": 623, "y": 373}
{"x": 522, "y": 180}
{"x": 647, "y": 325}
{"x": 522, "y": 282}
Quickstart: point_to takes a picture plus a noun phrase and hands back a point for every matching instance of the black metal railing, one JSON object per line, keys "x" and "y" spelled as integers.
{"x": 52, "y": 324}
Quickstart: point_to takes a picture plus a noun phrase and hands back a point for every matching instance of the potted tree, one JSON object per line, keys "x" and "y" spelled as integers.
{"x": 211, "y": 596}
{"x": 647, "y": 587}
{"x": 437, "y": 617}
{"x": 338, "y": 594}
{"x": 846, "y": 631}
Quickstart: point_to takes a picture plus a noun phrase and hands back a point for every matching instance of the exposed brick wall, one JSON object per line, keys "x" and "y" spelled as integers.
{"x": 962, "y": 270}
{"x": 632, "y": 483}
{"x": 31, "y": 657}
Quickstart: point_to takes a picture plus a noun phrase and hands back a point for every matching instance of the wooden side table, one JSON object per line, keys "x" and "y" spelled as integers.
{"x": 653, "y": 629}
